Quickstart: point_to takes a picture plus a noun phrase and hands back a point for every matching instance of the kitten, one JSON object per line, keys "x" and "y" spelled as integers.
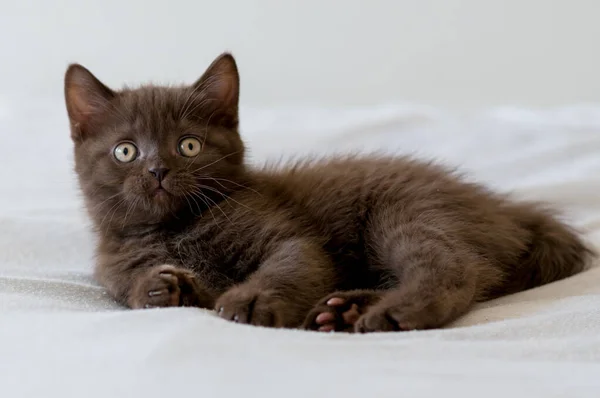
{"x": 357, "y": 244}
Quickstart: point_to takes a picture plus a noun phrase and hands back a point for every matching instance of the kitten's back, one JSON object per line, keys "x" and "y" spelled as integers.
{"x": 527, "y": 242}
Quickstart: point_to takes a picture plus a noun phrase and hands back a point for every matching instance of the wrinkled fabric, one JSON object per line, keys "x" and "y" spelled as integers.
{"x": 62, "y": 336}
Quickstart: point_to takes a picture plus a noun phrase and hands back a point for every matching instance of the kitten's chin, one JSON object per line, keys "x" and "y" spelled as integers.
{"x": 162, "y": 200}
{"x": 159, "y": 204}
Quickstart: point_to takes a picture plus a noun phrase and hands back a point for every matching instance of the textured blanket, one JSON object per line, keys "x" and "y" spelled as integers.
{"x": 61, "y": 335}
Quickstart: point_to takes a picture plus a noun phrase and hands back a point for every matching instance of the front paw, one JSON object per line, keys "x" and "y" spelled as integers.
{"x": 168, "y": 286}
{"x": 244, "y": 304}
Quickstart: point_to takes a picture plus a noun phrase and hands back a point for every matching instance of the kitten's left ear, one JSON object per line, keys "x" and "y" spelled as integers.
{"x": 220, "y": 84}
{"x": 85, "y": 97}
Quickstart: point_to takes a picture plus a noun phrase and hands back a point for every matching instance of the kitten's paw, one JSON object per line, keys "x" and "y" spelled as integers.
{"x": 244, "y": 304}
{"x": 340, "y": 311}
{"x": 168, "y": 286}
{"x": 393, "y": 318}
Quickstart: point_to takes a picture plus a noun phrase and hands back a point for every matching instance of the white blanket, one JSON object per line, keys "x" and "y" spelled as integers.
{"x": 62, "y": 336}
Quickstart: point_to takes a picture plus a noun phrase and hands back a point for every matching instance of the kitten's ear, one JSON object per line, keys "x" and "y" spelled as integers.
{"x": 85, "y": 96}
{"x": 220, "y": 84}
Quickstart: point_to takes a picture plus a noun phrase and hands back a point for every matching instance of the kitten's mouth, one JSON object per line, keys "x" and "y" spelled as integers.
{"x": 160, "y": 193}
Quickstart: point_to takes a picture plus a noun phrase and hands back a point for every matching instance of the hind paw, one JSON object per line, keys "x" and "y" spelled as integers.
{"x": 339, "y": 311}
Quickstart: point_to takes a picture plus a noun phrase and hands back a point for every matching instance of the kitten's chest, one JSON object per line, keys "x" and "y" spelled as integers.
{"x": 223, "y": 247}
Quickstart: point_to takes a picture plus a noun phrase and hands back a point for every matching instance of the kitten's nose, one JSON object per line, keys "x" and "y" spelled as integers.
{"x": 158, "y": 172}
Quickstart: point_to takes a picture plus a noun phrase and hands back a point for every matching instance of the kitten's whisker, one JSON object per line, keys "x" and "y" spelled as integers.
{"x": 193, "y": 196}
{"x": 116, "y": 206}
{"x": 226, "y": 197}
{"x": 200, "y": 95}
{"x": 198, "y": 105}
{"x": 214, "y": 203}
{"x": 178, "y": 248}
{"x": 185, "y": 104}
{"x": 99, "y": 187}
{"x": 183, "y": 112}
{"x": 106, "y": 200}
{"x": 115, "y": 212}
{"x": 233, "y": 182}
{"x": 129, "y": 208}
{"x": 206, "y": 132}
{"x": 185, "y": 195}
{"x": 209, "y": 118}
{"x": 218, "y": 160}
{"x": 205, "y": 86}
{"x": 108, "y": 212}
{"x": 191, "y": 162}
{"x": 187, "y": 108}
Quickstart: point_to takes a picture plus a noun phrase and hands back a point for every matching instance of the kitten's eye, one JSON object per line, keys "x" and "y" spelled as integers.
{"x": 190, "y": 147}
{"x": 125, "y": 152}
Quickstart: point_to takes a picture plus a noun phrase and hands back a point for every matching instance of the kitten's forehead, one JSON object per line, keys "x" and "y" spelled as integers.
{"x": 156, "y": 109}
{"x": 166, "y": 103}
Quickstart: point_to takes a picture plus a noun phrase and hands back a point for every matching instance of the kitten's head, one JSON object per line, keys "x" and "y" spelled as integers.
{"x": 147, "y": 155}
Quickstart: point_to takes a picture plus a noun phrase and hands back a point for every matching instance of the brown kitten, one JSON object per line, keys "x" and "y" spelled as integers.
{"x": 355, "y": 244}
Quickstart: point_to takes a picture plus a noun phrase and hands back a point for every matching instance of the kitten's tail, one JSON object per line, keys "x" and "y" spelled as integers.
{"x": 555, "y": 251}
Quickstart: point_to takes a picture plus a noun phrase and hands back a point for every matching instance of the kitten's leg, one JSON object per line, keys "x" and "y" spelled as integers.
{"x": 438, "y": 276}
{"x": 132, "y": 280}
{"x": 340, "y": 310}
{"x": 286, "y": 285}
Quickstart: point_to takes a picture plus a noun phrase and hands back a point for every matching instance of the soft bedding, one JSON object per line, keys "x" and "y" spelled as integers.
{"x": 61, "y": 335}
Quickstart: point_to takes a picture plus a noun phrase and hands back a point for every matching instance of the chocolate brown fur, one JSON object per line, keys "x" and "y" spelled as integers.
{"x": 397, "y": 243}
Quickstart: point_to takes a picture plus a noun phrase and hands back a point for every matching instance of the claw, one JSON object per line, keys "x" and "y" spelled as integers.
{"x": 325, "y": 317}
{"x": 335, "y": 301}
{"x": 327, "y": 328}
{"x": 152, "y": 293}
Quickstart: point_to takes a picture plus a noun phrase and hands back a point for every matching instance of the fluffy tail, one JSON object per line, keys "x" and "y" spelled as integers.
{"x": 555, "y": 251}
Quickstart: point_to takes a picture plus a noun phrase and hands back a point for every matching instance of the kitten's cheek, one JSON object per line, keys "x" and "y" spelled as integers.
{"x": 129, "y": 186}
{"x": 136, "y": 187}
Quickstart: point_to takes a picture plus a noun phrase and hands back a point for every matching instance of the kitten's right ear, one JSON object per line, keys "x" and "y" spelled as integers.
{"x": 220, "y": 84}
{"x": 85, "y": 97}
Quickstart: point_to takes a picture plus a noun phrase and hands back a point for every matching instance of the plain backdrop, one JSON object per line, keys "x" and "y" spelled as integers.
{"x": 452, "y": 53}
